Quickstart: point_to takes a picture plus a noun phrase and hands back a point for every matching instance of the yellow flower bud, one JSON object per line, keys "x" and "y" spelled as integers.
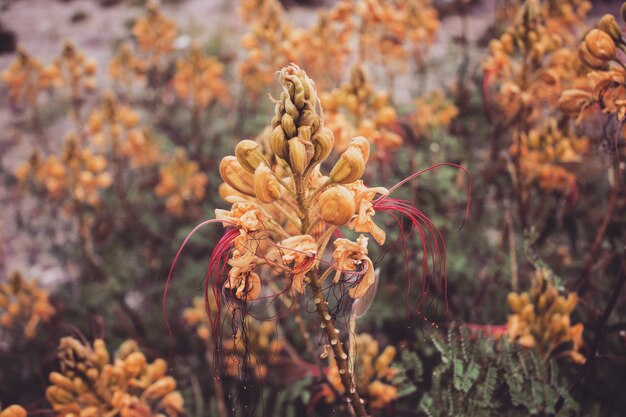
{"x": 13, "y": 411}
{"x": 173, "y": 403}
{"x": 134, "y": 363}
{"x": 55, "y": 394}
{"x": 160, "y": 388}
{"x": 323, "y": 142}
{"x": 515, "y": 302}
{"x": 609, "y": 25}
{"x": 279, "y": 144}
{"x": 101, "y": 351}
{"x": 249, "y": 155}
{"x": 234, "y": 175}
{"x": 61, "y": 381}
{"x": 337, "y": 205}
{"x": 266, "y": 186}
{"x": 572, "y": 101}
{"x": 288, "y": 125}
{"x": 588, "y": 59}
{"x": 298, "y": 155}
{"x": 600, "y": 45}
{"x": 349, "y": 168}
{"x": 362, "y": 145}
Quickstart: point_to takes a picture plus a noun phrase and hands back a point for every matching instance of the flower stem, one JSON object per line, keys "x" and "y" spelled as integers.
{"x": 341, "y": 358}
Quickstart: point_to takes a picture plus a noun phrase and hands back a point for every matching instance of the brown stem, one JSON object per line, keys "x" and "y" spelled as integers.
{"x": 217, "y": 385}
{"x": 332, "y": 334}
{"x": 601, "y": 327}
{"x": 341, "y": 358}
{"x": 583, "y": 281}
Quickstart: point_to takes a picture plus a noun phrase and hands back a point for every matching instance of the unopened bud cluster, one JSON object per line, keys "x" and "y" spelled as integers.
{"x": 599, "y": 52}
{"x": 23, "y": 305}
{"x": 92, "y": 384}
{"x": 373, "y": 374}
{"x": 280, "y": 193}
{"x": 356, "y": 108}
{"x": 541, "y": 320}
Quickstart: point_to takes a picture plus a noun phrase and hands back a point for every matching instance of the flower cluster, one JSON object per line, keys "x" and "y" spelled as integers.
{"x": 357, "y": 109}
{"x": 541, "y": 320}
{"x": 125, "y": 67}
{"x": 23, "y": 304}
{"x": 198, "y": 78}
{"x": 269, "y": 43}
{"x": 155, "y": 34}
{"x": 373, "y": 373}
{"x": 180, "y": 184}
{"x": 607, "y": 89}
{"x": 77, "y": 175}
{"x": 25, "y": 78}
{"x": 114, "y": 129}
{"x": 432, "y": 112}
{"x": 390, "y": 31}
{"x": 91, "y": 384}
{"x": 72, "y": 70}
{"x": 528, "y": 68}
{"x": 332, "y": 33}
{"x": 541, "y": 152}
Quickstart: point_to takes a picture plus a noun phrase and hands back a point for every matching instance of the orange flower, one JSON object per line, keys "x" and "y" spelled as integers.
{"x": 347, "y": 256}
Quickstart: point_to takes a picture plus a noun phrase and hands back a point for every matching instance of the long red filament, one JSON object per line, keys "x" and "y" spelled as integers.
{"x": 432, "y": 240}
{"x": 171, "y": 272}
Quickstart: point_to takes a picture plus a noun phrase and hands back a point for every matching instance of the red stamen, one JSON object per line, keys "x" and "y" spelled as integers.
{"x": 433, "y": 243}
{"x": 171, "y": 272}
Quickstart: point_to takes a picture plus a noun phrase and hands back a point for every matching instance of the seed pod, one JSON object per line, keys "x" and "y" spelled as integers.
{"x": 349, "y": 168}
{"x": 323, "y": 142}
{"x": 279, "y": 144}
{"x": 609, "y": 25}
{"x": 298, "y": 159}
{"x": 600, "y": 45}
{"x": 266, "y": 187}
{"x": 337, "y": 205}
{"x": 234, "y": 175}
{"x": 288, "y": 125}
{"x": 249, "y": 155}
